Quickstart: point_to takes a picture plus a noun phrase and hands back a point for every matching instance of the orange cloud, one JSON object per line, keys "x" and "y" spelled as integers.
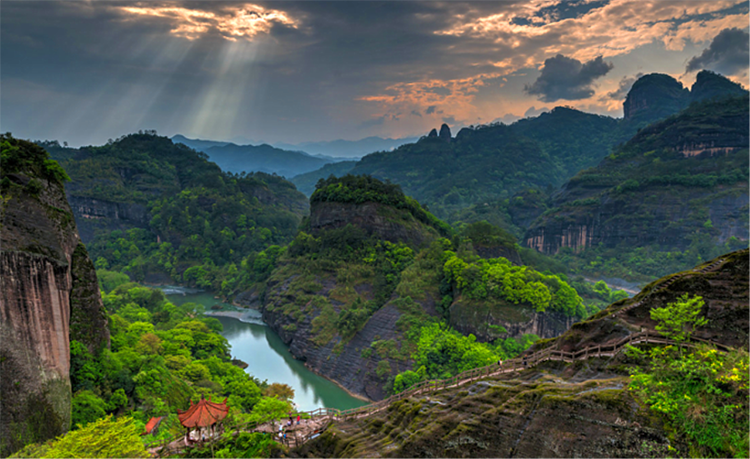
{"x": 614, "y": 29}
{"x": 527, "y": 33}
{"x": 241, "y": 21}
{"x": 440, "y": 98}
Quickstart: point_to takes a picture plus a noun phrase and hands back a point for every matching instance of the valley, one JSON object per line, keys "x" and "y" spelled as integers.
{"x": 569, "y": 282}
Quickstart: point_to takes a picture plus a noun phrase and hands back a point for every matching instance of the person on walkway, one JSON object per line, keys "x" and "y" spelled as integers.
{"x": 298, "y": 418}
{"x": 524, "y": 362}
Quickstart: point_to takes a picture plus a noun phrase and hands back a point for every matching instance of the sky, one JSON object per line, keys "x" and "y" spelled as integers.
{"x": 88, "y": 71}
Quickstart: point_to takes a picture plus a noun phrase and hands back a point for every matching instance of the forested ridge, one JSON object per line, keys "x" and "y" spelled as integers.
{"x": 197, "y": 223}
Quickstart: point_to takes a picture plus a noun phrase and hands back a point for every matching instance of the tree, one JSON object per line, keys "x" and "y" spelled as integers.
{"x": 106, "y": 437}
{"x": 678, "y": 320}
{"x": 280, "y": 391}
{"x": 270, "y": 409}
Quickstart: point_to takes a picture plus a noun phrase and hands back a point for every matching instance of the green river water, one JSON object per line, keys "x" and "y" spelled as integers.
{"x": 268, "y": 357}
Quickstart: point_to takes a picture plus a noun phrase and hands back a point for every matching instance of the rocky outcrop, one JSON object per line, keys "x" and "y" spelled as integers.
{"x": 655, "y": 96}
{"x": 49, "y": 294}
{"x": 582, "y": 409}
{"x": 611, "y": 223}
{"x": 722, "y": 283}
{"x": 445, "y": 133}
{"x": 92, "y": 214}
{"x": 535, "y": 415}
{"x": 477, "y": 318}
{"x": 381, "y": 221}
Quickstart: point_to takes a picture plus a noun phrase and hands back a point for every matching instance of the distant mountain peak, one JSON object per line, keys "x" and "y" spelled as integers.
{"x": 445, "y": 132}
{"x": 656, "y": 95}
{"x": 709, "y": 84}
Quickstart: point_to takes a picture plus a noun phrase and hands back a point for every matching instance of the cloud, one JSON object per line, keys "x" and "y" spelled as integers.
{"x": 377, "y": 121}
{"x": 728, "y": 53}
{"x": 416, "y": 113}
{"x": 224, "y": 69}
{"x": 533, "y": 111}
{"x": 567, "y": 78}
{"x": 623, "y": 88}
{"x": 430, "y": 110}
{"x": 449, "y": 120}
{"x": 244, "y": 21}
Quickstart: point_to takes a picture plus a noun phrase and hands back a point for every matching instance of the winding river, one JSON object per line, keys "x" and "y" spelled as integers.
{"x": 267, "y": 356}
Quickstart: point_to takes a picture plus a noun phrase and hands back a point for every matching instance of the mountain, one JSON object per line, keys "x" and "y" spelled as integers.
{"x": 263, "y": 158}
{"x": 679, "y": 183}
{"x": 657, "y": 96}
{"x": 198, "y": 144}
{"x": 591, "y": 407}
{"x": 371, "y": 271}
{"x": 348, "y": 148}
{"x": 50, "y": 296}
{"x": 256, "y": 158}
{"x": 158, "y": 209}
{"x": 493, "y": 162}
{"x": 709, "y": 85}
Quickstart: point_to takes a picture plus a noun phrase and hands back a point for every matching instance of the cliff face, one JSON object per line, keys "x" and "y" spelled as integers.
{"x": 477, "y": 318}
{"x": 303, "y": 303}
{"x": 684, "y": 176}
{"x": 92, "y": 214}
{"x": 49, "y": 295}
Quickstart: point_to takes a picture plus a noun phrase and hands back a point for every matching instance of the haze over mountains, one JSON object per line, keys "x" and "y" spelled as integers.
{"x": 286, "y": 159}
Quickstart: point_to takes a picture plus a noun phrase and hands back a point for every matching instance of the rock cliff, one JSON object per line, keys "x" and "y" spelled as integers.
{"x": 49, "y": 296}
{"x": 675, "y": 179}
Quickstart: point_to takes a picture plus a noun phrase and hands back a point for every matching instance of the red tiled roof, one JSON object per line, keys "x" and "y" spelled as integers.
{"x": 152, "y": 424}
{"x": 203, "y": 414}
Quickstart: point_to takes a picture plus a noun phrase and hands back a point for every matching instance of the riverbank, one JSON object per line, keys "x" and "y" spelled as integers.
{"x": 267, "y": 356}
{"x": 249, "y": 315}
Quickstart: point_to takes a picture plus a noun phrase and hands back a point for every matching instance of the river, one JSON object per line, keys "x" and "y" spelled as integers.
{"x": 267, "y": 356}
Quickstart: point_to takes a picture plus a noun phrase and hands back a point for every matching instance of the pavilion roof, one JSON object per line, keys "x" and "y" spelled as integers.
{"x": 203, "y": 414}
{"x": 153, "y": 424}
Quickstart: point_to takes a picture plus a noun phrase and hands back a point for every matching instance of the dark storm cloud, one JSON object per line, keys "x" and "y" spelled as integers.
{"x": 728, "y": 53}
{"x": 567, "y": 78}
{"x": 95, "y": 62}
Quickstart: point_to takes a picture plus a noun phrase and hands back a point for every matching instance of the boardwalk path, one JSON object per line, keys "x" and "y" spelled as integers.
{"x": 322, "y": 417}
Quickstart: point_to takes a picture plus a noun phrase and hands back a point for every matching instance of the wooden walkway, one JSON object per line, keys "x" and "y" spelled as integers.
{"x": 321, "y": 418}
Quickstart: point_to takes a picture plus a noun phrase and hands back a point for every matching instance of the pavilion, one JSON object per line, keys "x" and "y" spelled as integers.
{"x": 204, "y": 416}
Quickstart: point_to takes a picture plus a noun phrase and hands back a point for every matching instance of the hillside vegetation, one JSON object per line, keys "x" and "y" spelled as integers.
{"x": 675, "y": 194}
{"x": 361, "y": 296}
{"x": 149, "y": 207}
